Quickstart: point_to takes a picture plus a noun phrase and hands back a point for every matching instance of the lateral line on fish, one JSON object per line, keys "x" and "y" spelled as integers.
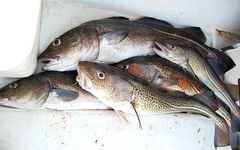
{"x": 226, "y": 117}
{"x": 203, "y": 113}
{"x": 176, "y": 36}
{"x": 140, "y": 124}
{"x": 223, "y": 93}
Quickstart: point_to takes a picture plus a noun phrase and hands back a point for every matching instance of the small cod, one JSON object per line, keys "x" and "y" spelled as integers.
{"x": 112, "y": 40}
{"x": 32, "y": 92}
{"x": 126, "y": 93}
{"x": 193, "y": 61}
{"x": 171, "y": 77}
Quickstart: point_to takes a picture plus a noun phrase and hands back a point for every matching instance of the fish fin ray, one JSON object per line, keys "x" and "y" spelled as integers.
{"x": 117, "y": 18}
{"x": 196, "y": 32}
{"x": 190, "y": 69}
{"x": 155, "y": 21}
{"x": 65, "y": 95}
{"x": 221, "y": 63}
{"x": 121, "y": 115}
{"x": 139, "y": 121}
{"x": 164, "y": 83}
{"x": 115, "y": 37}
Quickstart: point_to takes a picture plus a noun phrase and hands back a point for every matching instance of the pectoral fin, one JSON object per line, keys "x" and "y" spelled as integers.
{"x": 114, "y": 37}
{"x": 65, "y": 95}
{"x": 165, "y": 84}
{"x": 121, "y": 115}
{"x": 140, "y": 125}
{"x": 190, "y": 69}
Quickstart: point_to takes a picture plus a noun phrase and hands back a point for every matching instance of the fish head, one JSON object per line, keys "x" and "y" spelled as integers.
{"x": 104, "y": 82}
{"x": 139, "y": 66}
{"x": 67, "y": 50}
{"x": 171, "y": 50}
{"x": 24, "y": 93}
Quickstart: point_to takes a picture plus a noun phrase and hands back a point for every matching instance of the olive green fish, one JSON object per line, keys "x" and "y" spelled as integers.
{"x": 113, "y": 40}
{"x": 32, "y": 92}
{"x": 192, "y": 61}
{"x": 171, "y": 77}
{"x": 127, "y": 93}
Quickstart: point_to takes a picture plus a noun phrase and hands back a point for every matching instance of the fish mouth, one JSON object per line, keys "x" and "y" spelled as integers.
{"x": 49, "y": 62}
{"x": 84, "y": 81}
{"x": 160, "y": 48}
{"x": 3, "y": 100}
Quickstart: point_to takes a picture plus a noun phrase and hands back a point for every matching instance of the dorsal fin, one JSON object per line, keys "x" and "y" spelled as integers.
{"x": 155, "y": 21}
{"x": 118, "y": 18}
{"x": 196, "y": 32}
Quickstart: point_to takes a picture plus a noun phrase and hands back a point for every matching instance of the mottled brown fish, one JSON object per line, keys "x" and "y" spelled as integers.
{"x": 33, "y": 91}
{"x": 171, "y": 77}
{"x": 192, "y": 61}
{"x": 127, "y": 93}
{"x": 165, "y": 74}
{"x": 112, "y": 40}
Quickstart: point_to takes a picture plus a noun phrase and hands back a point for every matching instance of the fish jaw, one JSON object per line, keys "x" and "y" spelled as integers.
{"x": 84, "y": 81}
{"x": 50, "y": 63}
{"x": 4, "y": 101}
{"x": 106, "y": 90}
{"x": 160, "y": 49}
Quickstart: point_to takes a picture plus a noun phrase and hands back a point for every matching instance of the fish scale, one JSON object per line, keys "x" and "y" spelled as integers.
{"x": 145, "y": 96}
{"x": 113, "y": 40}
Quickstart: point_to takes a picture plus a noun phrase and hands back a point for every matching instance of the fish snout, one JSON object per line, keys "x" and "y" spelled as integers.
{"x": 49, "y": 61}
{"x": 83, "y": 80}
{"x": 160, "y": 48}
{"x": 4, "y": 99}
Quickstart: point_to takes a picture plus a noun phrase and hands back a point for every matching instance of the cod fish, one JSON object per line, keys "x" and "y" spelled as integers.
{"x": 192, "y": 61}
{"x": 171, "y": 77}
{"x": 32, "y": 92}
{"x": 115, "y": 39}
{"x": 165, "y": 74}
{"x": 126, "y": 93}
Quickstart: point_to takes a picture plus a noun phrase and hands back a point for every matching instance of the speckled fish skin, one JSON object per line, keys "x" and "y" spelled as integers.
{"x": 154, "y": 69}
{"x": 108, "y": 41}
{"x": 158, "y": 71}
{"x": 195, "y": 63}
{"x": 117, "y": 88}
{"x": 32, "y": 92}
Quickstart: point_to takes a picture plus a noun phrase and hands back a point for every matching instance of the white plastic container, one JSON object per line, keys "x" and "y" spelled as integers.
{"x": 102, "y": 129}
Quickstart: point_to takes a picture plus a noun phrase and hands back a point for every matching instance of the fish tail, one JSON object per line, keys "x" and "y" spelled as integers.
{"x": 234, "y": 108}
{"x": 210, "y": 101}
{"x": 220, "y": 122}
{"x": 222, "y": 63}
{"x": 197, "y": 107}
{"x": 221, "y": 91}
{"x": 225, "y": 115}
{"x": 235, "y": 124}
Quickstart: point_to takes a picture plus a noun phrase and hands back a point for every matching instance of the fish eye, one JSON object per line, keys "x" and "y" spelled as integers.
{"x": 101, "y": 75}
{"x": 125, "y": 67}
{"x": 56, "y": 42}
{"x": 13, "y": 85}
{"x": 172, "y": 47}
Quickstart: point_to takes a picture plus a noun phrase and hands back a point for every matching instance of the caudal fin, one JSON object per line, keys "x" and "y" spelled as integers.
{"x": 222, "y": 63}
{"x": 211, "y": 102}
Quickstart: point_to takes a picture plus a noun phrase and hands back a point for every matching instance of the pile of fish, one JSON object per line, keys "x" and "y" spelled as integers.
{"x": 143, "y": 67}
